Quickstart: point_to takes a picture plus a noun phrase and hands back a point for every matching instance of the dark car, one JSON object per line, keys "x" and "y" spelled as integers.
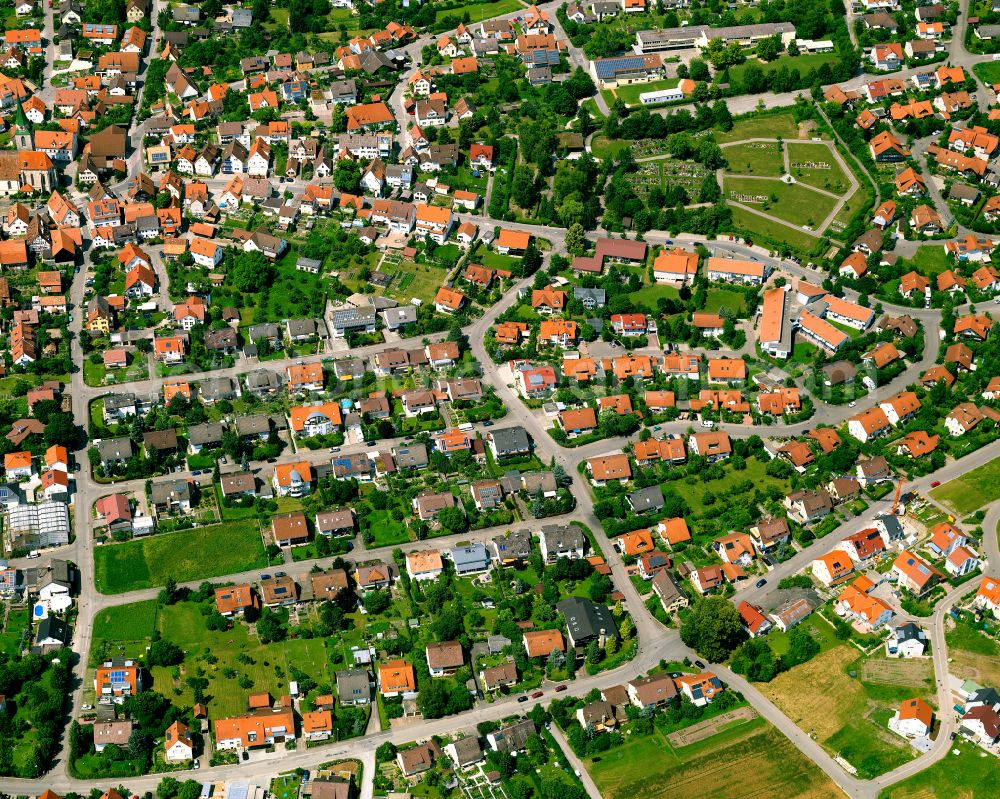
{"x": 699, "y": 664}
{"x": 522, "y": 699}
{"x": 560, "y": 688}
{"x": 761, "y": 582}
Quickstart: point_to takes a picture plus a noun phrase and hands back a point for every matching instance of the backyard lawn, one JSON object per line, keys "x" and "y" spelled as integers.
{"x": 147, "y": 563}
{"x": 972, "y": 490}
{"x": 717, "y": 299}
{"x": 748, "y": 758}
{"x": 650, "y": 294}
{"x": 764, "y": 159}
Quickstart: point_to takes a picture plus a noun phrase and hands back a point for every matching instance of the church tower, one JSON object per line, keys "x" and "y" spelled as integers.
{"x": 23, "y": 138}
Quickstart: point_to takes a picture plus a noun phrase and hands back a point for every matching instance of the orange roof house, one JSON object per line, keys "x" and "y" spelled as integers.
{"x": 396, "y": 677}
{"x": 540, "y": 643}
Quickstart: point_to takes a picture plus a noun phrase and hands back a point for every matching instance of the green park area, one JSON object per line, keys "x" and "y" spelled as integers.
{"x": 965, "y": 772}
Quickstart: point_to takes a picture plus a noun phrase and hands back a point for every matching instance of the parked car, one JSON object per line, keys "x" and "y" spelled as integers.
{"x": 935, "y": 484}
{"x": 522, "y": 699}
{"x": 761, "y": 582}
{"x": 699, "y": 664}
{"x": 560, "y": 688}
{"x": 537, "y": 695}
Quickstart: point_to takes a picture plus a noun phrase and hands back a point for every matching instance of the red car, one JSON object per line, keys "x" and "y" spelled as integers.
{"x": 560, "y": 688}
{"x": 536, "y": 695}
{"x": 935, "y": 484}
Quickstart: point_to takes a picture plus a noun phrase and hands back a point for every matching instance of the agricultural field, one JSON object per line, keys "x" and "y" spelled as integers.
{"x": 747, "y": 758}
{"x": 759, "y": 158}
{"x": 972, "y": 490}
{"x": 150, "y": 562}
{"x": 814, "y": 164}
{"x": 845, "y": 714}
{"x": 792, "y": 203}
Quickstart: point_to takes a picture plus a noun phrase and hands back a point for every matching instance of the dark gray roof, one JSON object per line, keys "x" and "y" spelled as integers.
{"x": 646, "y": 499}
{"x": 585, "y": 620}
{"x": 510, "y": 439}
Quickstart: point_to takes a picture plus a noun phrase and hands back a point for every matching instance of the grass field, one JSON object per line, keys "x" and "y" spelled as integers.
{"x": 972, "y": 490}
{"x": 845, "y": 715}
{"x": 480, "y": 11}
{"x": 793, "y": 203}
{"x": 832, "y": 179}
{"x": 235, "y": 546}
{"x": 970, "y": 774}
{"x": 650, "y": 294}
{"x": 748, "y": 759}
{"x": 930, "y": 260}
{"x": 768, "y": 126}
{"x": 775, "y": 232}
{"x": 717, "y": 299}
{"x": 765, "y": 159}
{"x": 988, "y": 72}
{"x": 630, "y": 94}
{"x": 123, "y": 630}
{"x": 603, "y": 147}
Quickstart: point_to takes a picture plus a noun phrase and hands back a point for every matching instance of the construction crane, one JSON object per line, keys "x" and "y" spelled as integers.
{"x": 897, "y": 480}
